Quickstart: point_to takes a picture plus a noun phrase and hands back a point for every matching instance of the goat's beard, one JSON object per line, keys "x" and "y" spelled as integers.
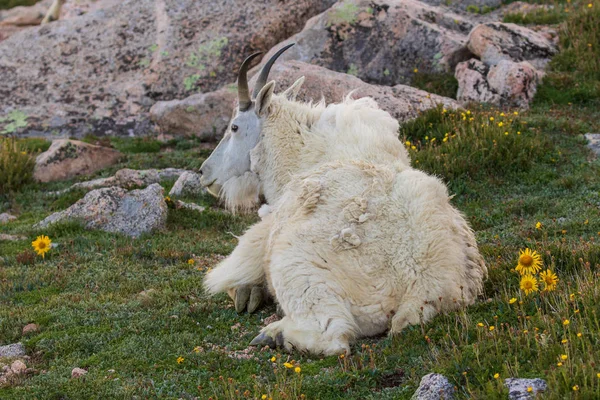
{"x": 242, "y": 193}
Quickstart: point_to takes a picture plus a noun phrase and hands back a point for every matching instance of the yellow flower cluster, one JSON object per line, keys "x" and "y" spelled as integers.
{"x": 42, "y": 245}
{"x": 529, "y": 264}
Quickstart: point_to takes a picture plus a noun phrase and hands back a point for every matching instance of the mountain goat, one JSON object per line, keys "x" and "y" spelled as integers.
{"x": 355, "y": 241}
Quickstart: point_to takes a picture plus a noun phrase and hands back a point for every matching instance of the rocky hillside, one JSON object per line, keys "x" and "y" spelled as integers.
{"x": 108, "y": 67}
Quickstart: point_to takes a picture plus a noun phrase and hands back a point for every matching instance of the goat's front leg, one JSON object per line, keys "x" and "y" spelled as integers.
{"x": 242, "y": 274}
{"x": 53, "y": 13}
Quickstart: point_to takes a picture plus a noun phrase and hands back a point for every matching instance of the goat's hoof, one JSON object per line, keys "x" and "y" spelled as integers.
{"x": 242, "y": 295}
{"x": 256, "y": 299}
{"x": 263, "y": 340}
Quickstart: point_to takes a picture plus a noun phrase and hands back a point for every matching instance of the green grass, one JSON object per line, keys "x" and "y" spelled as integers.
{"x": 6, "y": 4}
{"x": 444, "y": 84}
{"x": 86, "y": 294}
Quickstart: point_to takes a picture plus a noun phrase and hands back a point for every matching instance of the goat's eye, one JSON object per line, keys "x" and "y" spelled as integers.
{"x": 234, "y": 128}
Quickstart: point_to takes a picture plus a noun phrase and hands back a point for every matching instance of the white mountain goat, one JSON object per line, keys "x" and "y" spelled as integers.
{"x": 356, "y": 242}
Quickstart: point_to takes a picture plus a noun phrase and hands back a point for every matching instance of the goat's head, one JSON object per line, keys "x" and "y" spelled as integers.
{"x": 227, "y": 173}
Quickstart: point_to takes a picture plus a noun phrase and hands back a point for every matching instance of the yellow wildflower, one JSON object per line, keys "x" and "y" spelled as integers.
{"x": 564, "y": 357}
{"x": 564, "y": 341}
{"x": 492, "y": 119}
{"x": 407, "y": 143}
{"x": 579, "y": 334}
{"x": 180, "y": 360}
{"x": 191, "y": 261}
{"x": 528, "y": 284}
{"x": 530, "y": 262}
{"x": 538, "y": 225}
{"x": 512, "y": 301}
{"x": 516, "y": 113}
{"x": 480, "y": 324}
{"x": 263, "y": 397}
{"x": 297, "y": 370}
{"x": 273, "y": 359}
{"x": 288, "y": 365}
{"x": 549, "y": 279}
{"x": 415, "y": 70}
{"x": 519, "y": 132}
{"x": 500, "y": 124}
{"x": 566, "y": 322}
{"x": 502, "y": 114}
{"x": 197, "y": 349}
{"x": 559, "y": 364}
{"x": 42, "y": 245}
{"x": 589, "y": 5}
{"x": 496, "y": 375}
{"x": 492, "y": 328}
{"x": 575, "y": 388}
{"x": 529, "y": 389}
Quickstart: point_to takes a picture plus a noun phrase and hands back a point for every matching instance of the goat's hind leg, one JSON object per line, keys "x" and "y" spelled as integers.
{"x": 317, "y": 319}
{"x": 242, "y": 274}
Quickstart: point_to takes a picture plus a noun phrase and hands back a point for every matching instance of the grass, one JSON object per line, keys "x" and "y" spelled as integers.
{"x": 6, "y": 4}
{"x": 127, "y": 310}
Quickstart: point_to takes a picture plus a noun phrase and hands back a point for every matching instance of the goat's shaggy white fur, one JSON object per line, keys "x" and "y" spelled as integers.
{"x": 354, "y": 241}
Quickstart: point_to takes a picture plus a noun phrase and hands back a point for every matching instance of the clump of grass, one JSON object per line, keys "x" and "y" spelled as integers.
{"x": 444, "y": 84}
{"x": 16, "y": 164}
{"x": 470, "y": 144}
{"x": 137, "y": 145}
{"x": 537, "y": 17}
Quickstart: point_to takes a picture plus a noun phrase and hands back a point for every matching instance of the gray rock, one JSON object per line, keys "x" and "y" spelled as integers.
{"x": 12, "y": 350}
{"x": 189, "y": 206}
{"x": 434, "y": 387}
{"x": 6, "y": 218}
{"x": 11, "y": 238}
{"x": 593, "y": 142}
{"x": 78, "y": 372}
{"x": 496, "y": 41}
{"x": 116, "y": 210}
{"x": 517, "y": 388}
{"x": 187, "y": 184}
{"x": 154, "y": 50}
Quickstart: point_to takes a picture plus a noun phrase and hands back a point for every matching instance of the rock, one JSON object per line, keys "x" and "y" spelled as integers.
{"x": 189, "y": 206}
{"x": 25, "y": 15}
{"x": 116, "y": 210}
{"x": 593, "y": 142}
{"x": 154, "y": 50}
{"x": 199, "y": 115}
{"x": 78, "y": 372}
{"x": 6, "y": 218}
{"x": 68, "y": 158}
{"x": 517, "y": 388}
{"x": 434, "y": 387}
{"x": 505, "y": 83}
{"x": 482, "y": 5}
{"x": 18, "y": 367}
{"x": 383, "y": 42}
{"x": 11, "y": 238}
{"x": 187, "y": 184}
{"x": 12, "y": 350}
{"x": 30, "y": 328}
{"x": 402, "y": 102}
{"x": 496, "y": 41}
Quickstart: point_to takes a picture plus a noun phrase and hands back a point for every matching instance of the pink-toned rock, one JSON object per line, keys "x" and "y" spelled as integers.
{"x": 506, "y": 83}
{"x": 6, "y": 218}
{"x": 383, "y": 42}
{"x": 69, "y": 158}
{"x": 199, "y": 115}
{"x": 25, "y": 15}
{"x": 30, "y": 328}
{"x": 18, "y": 367}
{"x": 496, "y": 41}
{"x": 78, "y": 372}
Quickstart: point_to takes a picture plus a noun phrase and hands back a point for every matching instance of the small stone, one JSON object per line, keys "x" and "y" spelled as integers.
{"x": 434, "y": 387}
{"x": 6, "y": 218}
{"x": 189, "y": 206}
{"x": 12, "y": 350}
{"x": 11, "y": 238}
{"x": 18, "y": 367}
{"x": 30, "y": 328}
{"x": 188, "y": 184}
{"x": 517, "y": 388}
{"x": 77, "y": 372}
{"x": 593, "y": 142}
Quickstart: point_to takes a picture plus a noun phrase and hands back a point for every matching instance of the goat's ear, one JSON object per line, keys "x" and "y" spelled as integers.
{"x": 263, "y": 99}
{"x": 291, "y": 92}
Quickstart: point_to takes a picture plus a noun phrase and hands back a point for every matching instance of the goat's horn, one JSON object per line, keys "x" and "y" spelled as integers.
{"x": 264, "y": 72}
{"x": 243, "y": 92}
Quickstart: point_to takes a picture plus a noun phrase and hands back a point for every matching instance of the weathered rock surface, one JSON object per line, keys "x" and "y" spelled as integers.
{"x": 68, "y": 158}
{"x": 496, "y": 41}
{"x": 12, "y": 350}
{"x": 189, "y": 206}
{"x": 116, "y": 210}
{"x": 130, "y": 178}
{"x": 102, "y": 71}
{"x": 8, "y": 372}
{"x": 78, "y": 372}
{"x": 6, "y": 218}
{"x": 593, "y": 142}
{"x": 402, "y": 102}
{"x": 434, "y": 387}
{"x": 187, "y": 184}
{"x": 517, "y": 388}
{"x": 11, "y": 238}
{"x": 202, "y": 115}
{"x": 505, "y": 83}
{"x": 30, "y": 328}
{"x": 383, "y": 42}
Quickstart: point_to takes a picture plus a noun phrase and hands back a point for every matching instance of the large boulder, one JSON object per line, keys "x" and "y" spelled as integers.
{"x": 496, "y": 41}
{"x": 505, "y": 83}
{"x": 434, "y": 387}
{"x": 383, "y": 42}
{"x": 402, "y": 102}
{"x": 525, "y": 389}
{"x": 68, "y": 158}
{"x": 102, "y": 71}
{"x": 116, "y": 210}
